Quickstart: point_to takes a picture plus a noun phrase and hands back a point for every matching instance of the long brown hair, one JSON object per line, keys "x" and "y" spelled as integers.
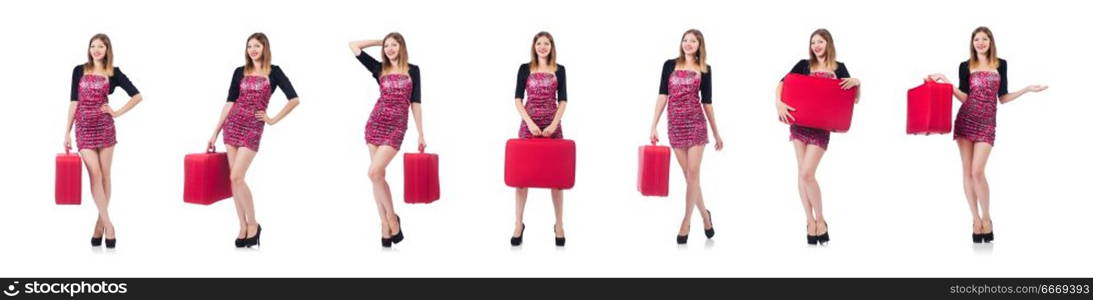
{"x": 266, "y": 57}
{"x": 829, "y": 51}
{"x": 107, "y": 58}
{"x": 403, "y": 55}
{"x": 552, "y": 58}
{"x": 700, "y": 58}
{"x": 992, "y": 52}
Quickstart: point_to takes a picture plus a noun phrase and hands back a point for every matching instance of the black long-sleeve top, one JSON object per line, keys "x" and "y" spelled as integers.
{"x": 118, "y": 79}
{"x": 802, "y": 67}
{"x": 277, "y": 78}
{"x": 376, "y": 68}
{"x": 705, "y": 87}
{"x": 525, "y": 71}
{"x": 965, "y": 73}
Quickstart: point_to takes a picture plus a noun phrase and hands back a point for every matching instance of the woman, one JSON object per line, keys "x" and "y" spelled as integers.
{"x": 92, "y": 82}
{"x": 811, "y": 143}
{"x": 544, "y": 81}
{"x": 682, "y": 80}
{"x": 983, "y": 84}
{"x": 400, "y": 89}
{"x": 243, "y": 119}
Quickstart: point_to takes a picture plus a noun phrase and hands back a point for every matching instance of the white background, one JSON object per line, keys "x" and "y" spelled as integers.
{"x": 894, "y": 202}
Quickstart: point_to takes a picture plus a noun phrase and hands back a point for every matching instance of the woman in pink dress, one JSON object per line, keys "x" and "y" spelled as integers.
{"x": 88, "y": 109}
{"x": 811, "y": 143}
{"x": 543, "y": 79}
{"x": 400, "y": 93}
{"x": 686, "y": 90}
{"x": 983, "y": 84}
{"x": 243, "y": 120}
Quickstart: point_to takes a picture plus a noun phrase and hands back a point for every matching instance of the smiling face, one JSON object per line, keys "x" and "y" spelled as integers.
{"x": 982, "y": 43}
{"x": 391, "y": 49}
{"x": 689, "y": 44}
{"x": 254, "y": 49}
{"x": 97, "y": 50}
{"x": 818, "y": 45}
{"x": 543, "y": 47}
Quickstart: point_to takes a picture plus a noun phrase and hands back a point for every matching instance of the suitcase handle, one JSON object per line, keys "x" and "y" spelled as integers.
{"x": 420, "y": 148}
{"x": 211, "y": 149}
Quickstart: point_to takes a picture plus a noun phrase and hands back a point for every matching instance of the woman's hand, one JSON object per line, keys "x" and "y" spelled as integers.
{"x": 849, "y": 83}
{"x": 783, "y": 112}
{"x": 1036, "y": 88}
{"x": 653, "y": 136}
{"x": 68, "y": 142}
{"x": 106, "y": 109}
{"x": 938, "y": 77}
{"x": 534, "y": 129}
{"x": 262, "y": 116}
{"x": 420, "y": 143}
{"x": 718, "y": 144}
{"x": 549, "y": 131}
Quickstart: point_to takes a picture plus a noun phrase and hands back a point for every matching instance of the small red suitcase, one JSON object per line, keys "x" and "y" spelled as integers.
{"x": 653, "y": 164}
{"x": 207, "y": 177}
{"x": 540, "y": 163}
{"x": 819, "y": 102}
{"x": 421, "y": 178}
{"x": 69, "y": 182}
{"x": 930, "y": 108}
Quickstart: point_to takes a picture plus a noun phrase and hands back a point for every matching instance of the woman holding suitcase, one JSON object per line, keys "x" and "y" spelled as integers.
{"x": 89, "y": 110}
{"x": 400, "y": 90}
{"x": 686, "y": 90}
{"x": 543, "y": 79}
{"x": 243, "y": 119}
{"x": 983, "y": 84}
{"x": 811, "y": 143}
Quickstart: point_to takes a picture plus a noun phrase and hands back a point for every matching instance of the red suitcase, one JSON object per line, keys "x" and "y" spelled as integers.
{"x": 820, "y": 102}
{"x": 930, "y": 108}
{"x": 207, "y": 177}
{"x": 540, "y": 163}
{"x": 653, "y": 164}
{"x": 421, "y": 178}
{"x": 69, "y": 182}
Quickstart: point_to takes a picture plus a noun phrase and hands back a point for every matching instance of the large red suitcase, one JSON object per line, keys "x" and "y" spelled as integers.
{"x": 69, "y": 182}
{"x": 819, "y": 102}
{"x": 207, "y": 177}
{"x": 930, "y": 108}
{"x": 540, "y": 163}
{"x": 653, "y": 164}
{"x": 421, "y": 177}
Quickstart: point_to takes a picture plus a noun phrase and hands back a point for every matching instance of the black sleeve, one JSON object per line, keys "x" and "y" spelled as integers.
{"x": 707, "y": 86}
{"x": 415, "y": 79}
{"x": 841, "y": 72}
{"x": 1003, "y": 80}
{"x": 77, "y": 73}
{"x": 371, "y": 64}
{"x": 522, "y": 80}
{"x": 800, "y": 68}
{"x": 119, "y": 79}
{"x": 665, "y": 74}
{"x": 559, "y": 75}
{"x": 233, "y": 90}
{"x": 278, "y": 79}
{"x": 964, "y": 74}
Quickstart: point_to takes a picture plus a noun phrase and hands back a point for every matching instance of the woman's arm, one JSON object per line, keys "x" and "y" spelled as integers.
{"x": 125, "y": 108}
{"x": 1013, "y": 96}
{"x": 280, "y": 115}
{"x": 357, "y": 46}
{"x": 662, "y": 100}
{"x": 416, "y": 109}
{"x": 713, "y": 126}
{"x": 220, "y": 123}
{"x": 68, "y": 126}
{"x": 527, "y": 118}
{"x": 549, "y": 131}
{"x": 781, "y": 108}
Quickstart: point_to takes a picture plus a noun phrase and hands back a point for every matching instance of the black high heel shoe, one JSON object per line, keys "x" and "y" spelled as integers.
{"x": 823, "y": 238}
{"x": 709, "y": 232}
{"x": 96, "y": 241}
{"x": 812, "y": 239}
{"x": 517, "y": 240}
{"x": 254, "y": 241}
{"x": 681, "y": 239}
{"x": 386, "y": 242}
{"x": 398, "y": 236}
{"x": 558, "y": 241}
{"x": 111, "y": 243}
{"x": 989, "y": 236}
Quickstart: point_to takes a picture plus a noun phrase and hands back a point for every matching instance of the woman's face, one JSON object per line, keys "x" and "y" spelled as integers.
{"x": 689, "y": 44}
{"x": 981, "y": 42}
{"x": 391, "y": 48}
{"x": 254, "y": 49}
{"x": 542, "y": 47}
{"x": 97, "y": 49}
{"x": 819, "y": 46}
